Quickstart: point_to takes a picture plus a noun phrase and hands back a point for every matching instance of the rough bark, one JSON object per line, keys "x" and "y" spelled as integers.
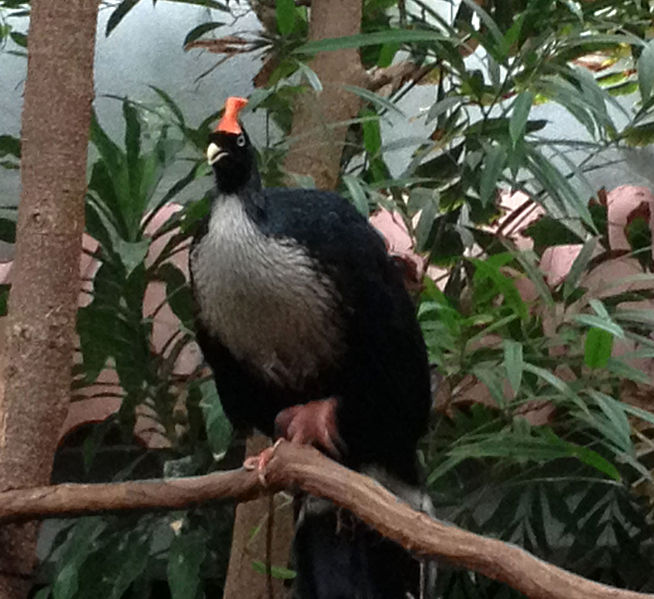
{"x": 317, "y": 142}
{"x": 43, "y": 299}
{"x": 242, "y": 582}
{"x": 294, "y": 466}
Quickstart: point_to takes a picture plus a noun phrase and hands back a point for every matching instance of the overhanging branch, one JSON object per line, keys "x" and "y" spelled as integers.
{"x": 294, "y": 467}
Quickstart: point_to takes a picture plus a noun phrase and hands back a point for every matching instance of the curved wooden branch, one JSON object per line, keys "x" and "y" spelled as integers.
{"x": 293, "y": 467}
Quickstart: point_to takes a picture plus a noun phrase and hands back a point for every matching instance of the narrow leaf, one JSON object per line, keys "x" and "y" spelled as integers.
{"x": 513, "y": 363}
{"x": 519, "y": 116}
{"x": 597, "y": 348}
{"x": 286, "y": 16}
{"x": 646, "y": 71}
{"x": 389, "y": 36}
{"x": 374, "y": 98}
{"x": 357, "y": 194}
{"x": 443, "y": 106}
{"x": 600, "y": 323}
{"x": 579, "y": 267}
{"x": 311, "y": 76}
{"x": 186, "y": 554}
{"x": 200, "y": 30}
{"x": 277, "y": 572}
{"x": 493, "y": 167}
{"x": 117, "y": 15}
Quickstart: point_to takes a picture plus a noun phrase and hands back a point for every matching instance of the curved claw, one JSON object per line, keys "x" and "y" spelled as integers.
{"x": 260, "y": 461}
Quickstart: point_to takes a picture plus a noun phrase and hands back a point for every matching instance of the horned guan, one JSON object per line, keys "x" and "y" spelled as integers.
{"x": 311, "y": 335}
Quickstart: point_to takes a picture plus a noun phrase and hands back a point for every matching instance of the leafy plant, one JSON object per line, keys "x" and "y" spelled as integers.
{"x": 532, "y": 440}
{"x": 137, "y": 245}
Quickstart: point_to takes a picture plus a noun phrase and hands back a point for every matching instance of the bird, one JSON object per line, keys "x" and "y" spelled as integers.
{"x": 311, "y": 336}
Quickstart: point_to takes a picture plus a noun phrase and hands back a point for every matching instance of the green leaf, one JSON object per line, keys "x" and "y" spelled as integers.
{"x": 493, "y": 378}
{"x": 374, "y": 98}
{"x": 4, "y": 298}
{"x": 73, "y": 554}
{"x": 20, "y": 39}
{"x": 172, "y": 106}
{"x": 443, "y": 106}
{"x": 487, "y": 20}
{"x": 200, "y": 30}
{"x": 639, "y": 135}
{"x": 117, "y": 559}
{"x": 118, "y": 14}
{"x": 357, "y": 194}
{"x": 616, "y": 418}
{"x": 646, "y": 71}
{"x": 219, "y": 429}
{"x": 624, "y": 370}
{"x": 557, "y": 383}
{"x": 277, "y": 572}
{"x": 187, "y": 552}
{"x": 519, "y": 116}
{"x": 599, "y": 322}
{"x": 494, "y": 162}
{"x": 549, "y": 232}
{"x": 597, "y": 348}
{"x": 490, "y": 269}
{"x": 286, "y": 16}
{"x": 372, "y": 140}
{"x": 7, "y": 230}
{"x": 132, "y": 254}
{"x": 310, "y": 75}
{"x": 530, "y": 263}
{"x": 9, "y": 146}
{"x": 513, "y": 363}
{"x": 206, "y": 3}
{"x": 578, "y": 267}
{"x": 390, "y": 36}
{"x": 178, "y": 293}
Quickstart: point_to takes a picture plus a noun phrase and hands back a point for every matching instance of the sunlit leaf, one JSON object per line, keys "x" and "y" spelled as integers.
{"x": 285, "y": 12}
{"x": 597, "y": 348}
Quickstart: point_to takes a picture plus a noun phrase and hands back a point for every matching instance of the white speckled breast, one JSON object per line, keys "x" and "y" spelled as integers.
{"x": 264, "y": 298}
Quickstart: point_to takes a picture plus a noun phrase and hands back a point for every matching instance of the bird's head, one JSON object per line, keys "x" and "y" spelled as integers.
{"x": 230, "y": 152}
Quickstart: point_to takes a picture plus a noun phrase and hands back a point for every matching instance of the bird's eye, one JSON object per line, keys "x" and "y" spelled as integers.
{"x": 240, "y": 141}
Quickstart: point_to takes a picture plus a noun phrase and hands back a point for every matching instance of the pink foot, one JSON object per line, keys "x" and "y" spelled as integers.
{"x": 313, "y": 423}
{"x": 260, "y": 461}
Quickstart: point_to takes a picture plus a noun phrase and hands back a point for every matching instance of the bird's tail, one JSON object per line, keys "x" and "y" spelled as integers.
{"x": 339, "y": 557}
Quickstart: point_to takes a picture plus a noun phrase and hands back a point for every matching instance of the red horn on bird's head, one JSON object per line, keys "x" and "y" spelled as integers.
{"x": 229, "y": 122}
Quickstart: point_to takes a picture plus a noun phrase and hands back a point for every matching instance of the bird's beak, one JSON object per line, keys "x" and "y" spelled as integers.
{"x": 214, "y": 153}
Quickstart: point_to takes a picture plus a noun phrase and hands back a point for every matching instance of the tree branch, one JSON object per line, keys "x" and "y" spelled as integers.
{"x": 295, "y": 467}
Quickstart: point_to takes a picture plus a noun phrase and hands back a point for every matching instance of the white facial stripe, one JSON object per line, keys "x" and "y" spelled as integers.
{"x": 214, "y": 153}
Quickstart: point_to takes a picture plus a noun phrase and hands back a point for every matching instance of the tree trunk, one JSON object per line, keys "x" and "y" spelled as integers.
{"x": 317, "y": 142}
{"x": 242, "y": 581}
{"x": 43, "y": 300}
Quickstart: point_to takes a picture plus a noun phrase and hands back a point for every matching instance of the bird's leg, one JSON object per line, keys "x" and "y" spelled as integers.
{"x": 313, "y": 423}
{"x": 260, "y": 461}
